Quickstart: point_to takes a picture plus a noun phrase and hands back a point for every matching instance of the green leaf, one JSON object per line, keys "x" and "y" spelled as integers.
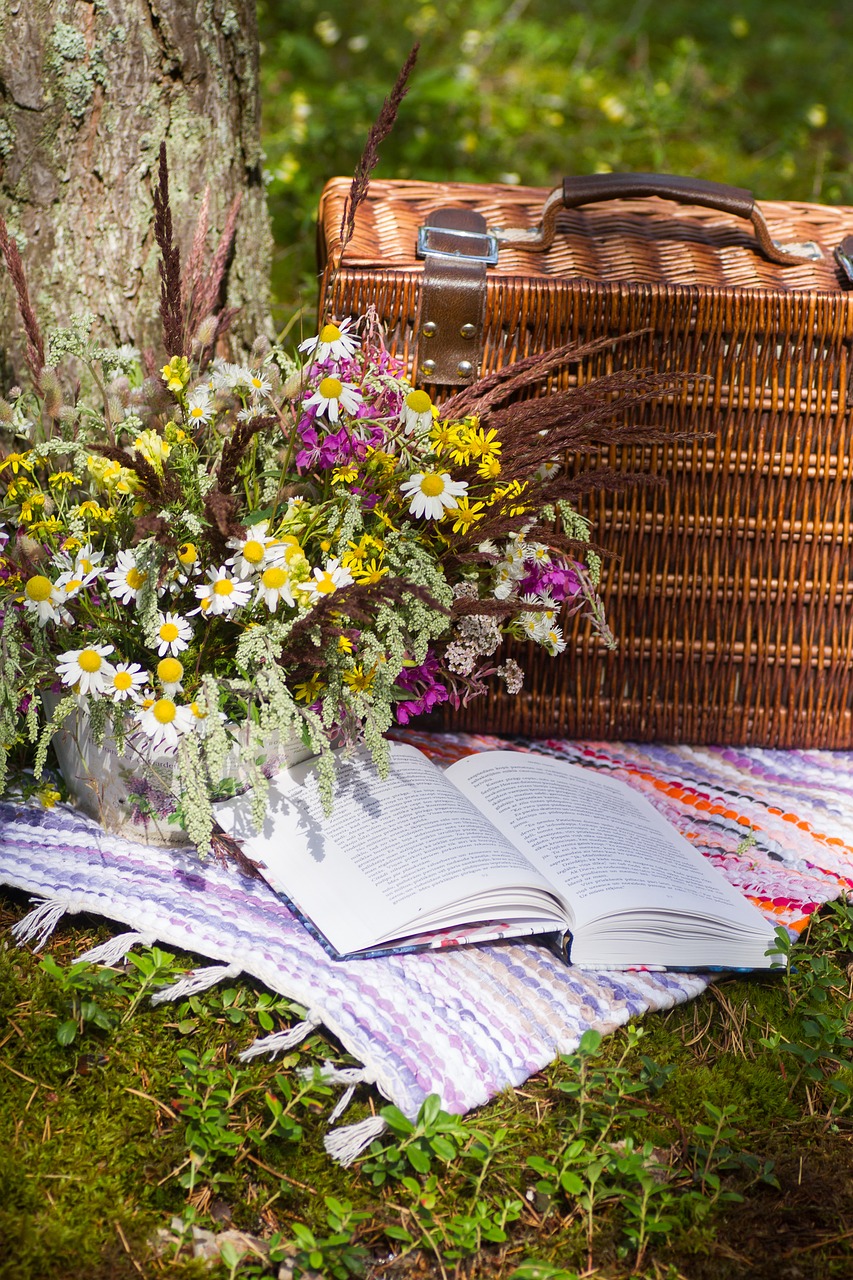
{"x": 66, "y": 1031}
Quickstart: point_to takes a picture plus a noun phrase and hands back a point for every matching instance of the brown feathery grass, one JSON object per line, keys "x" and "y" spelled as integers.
{"x": 35, "y": 344}
{"x": 380, "y": 130}
{"x": 171, "y": 302}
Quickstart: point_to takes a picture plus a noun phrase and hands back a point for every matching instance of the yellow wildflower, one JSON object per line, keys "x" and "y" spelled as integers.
{"x": 309, "y": 690}
{"x": 62, "y": 479}
{"x": 48, "y": 795}
{"x": 16, "y": 461}
{"x": 52, "y": 525}
{"x": 358, "y": 680}
{"x": 344, "y": 644}
{"x": 176, "y": 374}
{"x": 464, "y": 514}
{"x": 152, "y": 447}
{"x": 483, "y": 444}
{"x": 344, "y": 475}
{"x": 489, "y": 468}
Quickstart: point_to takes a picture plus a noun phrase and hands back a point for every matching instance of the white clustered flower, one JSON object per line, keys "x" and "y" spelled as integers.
{"x": 327, "y": 580}
{"x": 124, "y": 582}
{"x": 222, "y": 593}
{"x": 333, "y": 341}
{"x": 85, "y": 669}
{"x": 432, "y": 492}
{"x": 331, "y": 396}
{"x": 173, "y": 634}
{"x": 164, "y": 722}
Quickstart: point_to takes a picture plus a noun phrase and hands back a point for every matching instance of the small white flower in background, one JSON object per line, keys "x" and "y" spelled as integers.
{"x": 126, "y": 682}
{"x": 538, "y": 552}
{"x": 42, "y": 598}
{"x": 173, "y": 634}
{"x": 333, "y": 340}
{"x": 199, "y": 406}
{"x": 85, "y": 669}
{"x": 553, "y": 640}
{"x": 274, "y": 585}
{"x": 256, "y": 551}
{"x": 164, "y": 722}
{"x": 432, "y": 493}
{"x": 124, "y": 582}
{"x": 170, "y": 673}
{"x": 326, "y": 581}
{"x": 252, "y": 411}
{"x": 416, "y": 412}
{"x": 226, "y": 376}
{"x": 331, "y": 396}
{"x": 549, "y": 469}
{"x": 222, "y": 593}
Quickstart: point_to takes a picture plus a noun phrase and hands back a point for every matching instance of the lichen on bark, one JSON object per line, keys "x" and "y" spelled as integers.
{"x": 88, "y": 89}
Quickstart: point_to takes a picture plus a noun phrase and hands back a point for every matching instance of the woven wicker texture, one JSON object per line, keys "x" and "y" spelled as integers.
{"x": 732, "y": 594}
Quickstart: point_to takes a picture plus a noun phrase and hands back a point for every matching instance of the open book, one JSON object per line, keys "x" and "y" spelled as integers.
{"x": 518, "y": 843}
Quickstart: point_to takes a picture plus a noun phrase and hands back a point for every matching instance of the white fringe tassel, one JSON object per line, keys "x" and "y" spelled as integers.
{"x": 40, "y": 923}
{"x": 115, "y": 949}
{"x": 281, "y": 1041}
{"x": 330, "y": 1074}
{"x": 192, "y": 984}
{"x": 346, "y": 1145}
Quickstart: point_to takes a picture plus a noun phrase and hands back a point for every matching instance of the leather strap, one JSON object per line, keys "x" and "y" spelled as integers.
{"x": 449, "y": 325}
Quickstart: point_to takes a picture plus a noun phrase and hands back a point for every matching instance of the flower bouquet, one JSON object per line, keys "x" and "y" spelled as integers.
{"x": 205, "y": 562}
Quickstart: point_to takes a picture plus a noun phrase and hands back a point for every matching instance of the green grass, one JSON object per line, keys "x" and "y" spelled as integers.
{"x": 711, "y": 1141}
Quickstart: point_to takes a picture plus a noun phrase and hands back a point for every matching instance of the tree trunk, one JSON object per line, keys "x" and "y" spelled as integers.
{"x": 88, "y": 90}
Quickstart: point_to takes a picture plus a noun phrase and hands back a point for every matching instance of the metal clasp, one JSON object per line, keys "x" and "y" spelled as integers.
{"x": 490, "y": 245}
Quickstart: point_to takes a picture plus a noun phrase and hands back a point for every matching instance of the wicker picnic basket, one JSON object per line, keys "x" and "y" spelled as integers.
{"x": 731, "y": 592}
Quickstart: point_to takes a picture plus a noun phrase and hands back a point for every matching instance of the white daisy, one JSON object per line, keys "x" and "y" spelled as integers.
{"x": 553, "y": 640}
{"x": 327, "y": 580}
{"x": 164, "y": 722}
{"x": 274, "y": 586}
{"x": 188, "y": 560}
{"x": 126, "y": 682}
{"x": 173, "y": 634}
{"x": 199, "y": 406}
{"x": 204, "y": 721}
{"x": 226, "y": 376}
{"x": 416, "y": 412}
{"x": 125, "y": 580}
{"x": 548, "y": 470}
{"x": 432, "y": 493}
{"x": 256, "y": 551}
{"x": 170, "y": 672}
{"x": 222, "y": 593}
{"x": 42, "y": 598}
{"x": 257, "y": 383}
{"x": 84, "y": 564}
{"x": 333, "y": 340}
{"x": 331, "y": 396}
{"x": 85, "y": 669}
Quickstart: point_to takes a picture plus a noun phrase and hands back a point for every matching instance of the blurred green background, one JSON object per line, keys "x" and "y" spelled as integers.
{"x": 756, "y": 93}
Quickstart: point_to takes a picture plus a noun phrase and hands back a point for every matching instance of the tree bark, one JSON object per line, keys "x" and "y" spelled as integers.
{"x": 88, "y": 90}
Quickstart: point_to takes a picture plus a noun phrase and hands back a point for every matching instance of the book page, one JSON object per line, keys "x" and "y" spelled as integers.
{"x": 606, "y": 847}
{"x": 394, "y": 856}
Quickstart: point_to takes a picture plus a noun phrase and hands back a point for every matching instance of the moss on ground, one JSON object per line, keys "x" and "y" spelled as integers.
{"x": 96, "y": 1138}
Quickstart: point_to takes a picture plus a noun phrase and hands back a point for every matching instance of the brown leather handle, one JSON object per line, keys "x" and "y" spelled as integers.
{"x": 594, "y": 187}
{"x": 597, "y": 187}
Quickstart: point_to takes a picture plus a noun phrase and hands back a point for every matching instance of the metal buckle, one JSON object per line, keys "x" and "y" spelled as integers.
{"x": 845, "y": 261}
{"x": 490, "y": 245}
{"x": 808, "y": 250}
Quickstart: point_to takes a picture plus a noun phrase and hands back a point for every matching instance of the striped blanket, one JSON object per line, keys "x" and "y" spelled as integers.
{"x": 466, "y": 1022}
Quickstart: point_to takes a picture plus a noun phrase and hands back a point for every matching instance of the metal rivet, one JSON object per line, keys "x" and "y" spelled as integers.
{"x": 468, "y": 331}
{"x": 428, "y": 366}
{"x": 429, "y": 329}
{"x": 465, "y": 368}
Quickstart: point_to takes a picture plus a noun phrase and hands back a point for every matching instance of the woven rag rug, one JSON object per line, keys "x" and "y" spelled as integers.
{"x": 463, "y": 1022}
